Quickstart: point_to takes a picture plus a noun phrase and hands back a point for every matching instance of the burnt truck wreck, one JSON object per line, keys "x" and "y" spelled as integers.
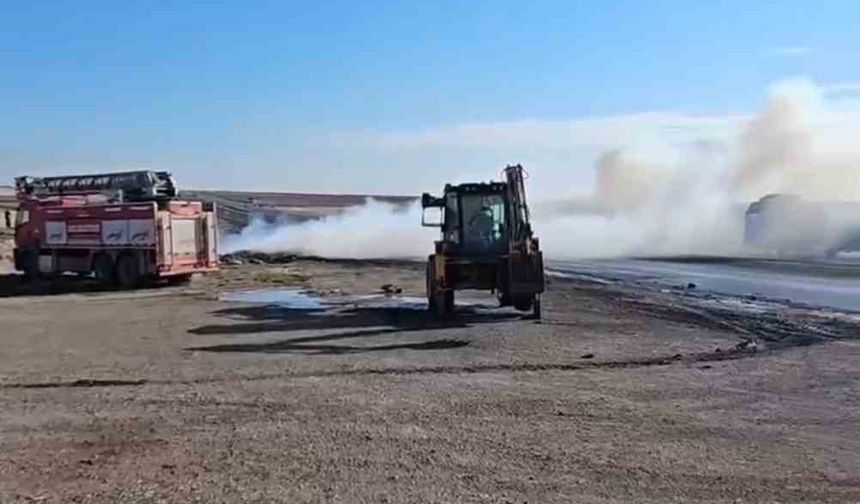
{"x": 788, "y": 225}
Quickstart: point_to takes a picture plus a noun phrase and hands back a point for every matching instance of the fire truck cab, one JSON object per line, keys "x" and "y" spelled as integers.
{"x": 124, "y": 228}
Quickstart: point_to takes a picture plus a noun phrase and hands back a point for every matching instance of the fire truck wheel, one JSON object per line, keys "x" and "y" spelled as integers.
{"x": 103, "y": 269}
{"x": 127, "y": 271}
{"x": 179, "y": 280}
{"x": 30, "y": 264}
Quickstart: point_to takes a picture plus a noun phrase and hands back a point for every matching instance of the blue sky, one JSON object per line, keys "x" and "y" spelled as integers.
{"x": 306, "y": 96}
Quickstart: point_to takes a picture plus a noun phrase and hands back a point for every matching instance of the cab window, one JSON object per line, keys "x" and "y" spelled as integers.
{"x": 483, "y": 222}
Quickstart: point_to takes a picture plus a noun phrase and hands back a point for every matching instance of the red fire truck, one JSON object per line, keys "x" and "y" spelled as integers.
{"x": 125, "y": 228}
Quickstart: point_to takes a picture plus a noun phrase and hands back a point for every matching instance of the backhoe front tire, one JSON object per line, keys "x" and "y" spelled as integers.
{"x": 439, "y": 301}
{"x": 445, "y": 302}
{"x": 431, "y": 295}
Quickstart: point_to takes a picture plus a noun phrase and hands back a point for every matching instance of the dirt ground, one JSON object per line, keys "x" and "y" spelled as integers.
{"x": 177, "y": 395}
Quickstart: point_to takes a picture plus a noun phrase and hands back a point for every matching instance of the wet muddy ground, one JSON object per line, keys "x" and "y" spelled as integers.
{"x": 832, "y": 284}
{"x": 309, "y": 382}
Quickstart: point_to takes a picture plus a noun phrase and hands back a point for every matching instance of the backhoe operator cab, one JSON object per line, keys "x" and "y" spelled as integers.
{"x": 486, "y": 243}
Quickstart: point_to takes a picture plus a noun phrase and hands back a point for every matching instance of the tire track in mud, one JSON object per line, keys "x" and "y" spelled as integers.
{"x": 80, "y": 383}
{"x": 776, "y": 329}
{"x": 737, "y": 352}
{"x": 773, "y": 326}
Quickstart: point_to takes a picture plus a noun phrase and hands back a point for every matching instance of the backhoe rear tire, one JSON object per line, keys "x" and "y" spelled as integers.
{"x": 523, "y": 303}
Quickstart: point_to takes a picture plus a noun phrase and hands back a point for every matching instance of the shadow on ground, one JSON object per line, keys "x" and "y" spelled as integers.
{"x": 366, "y": 322}
{"x": 13, "y": 284}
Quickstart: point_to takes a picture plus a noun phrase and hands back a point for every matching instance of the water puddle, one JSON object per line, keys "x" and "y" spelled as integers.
{"x": 578, "y": 276}
{"x": 286, "y": 298}
{"x": 387, "y": 301}
{"x": 303, "y": 300}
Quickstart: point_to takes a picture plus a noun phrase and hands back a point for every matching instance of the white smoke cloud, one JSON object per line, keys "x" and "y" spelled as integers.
{"x": 802, "y": 142}
{"x": 373, "y": 230}
{"x": 661, "y": 183}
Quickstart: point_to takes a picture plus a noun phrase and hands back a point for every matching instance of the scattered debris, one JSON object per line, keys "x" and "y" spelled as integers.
{"x": 391, "y": 289}
{"x": 747, "y": 345}
{"x": 278, "y": 276}
{"x": 247, "y": 256}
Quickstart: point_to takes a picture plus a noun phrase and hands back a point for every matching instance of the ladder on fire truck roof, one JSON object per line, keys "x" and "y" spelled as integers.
{"x": 141, "y": 185}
